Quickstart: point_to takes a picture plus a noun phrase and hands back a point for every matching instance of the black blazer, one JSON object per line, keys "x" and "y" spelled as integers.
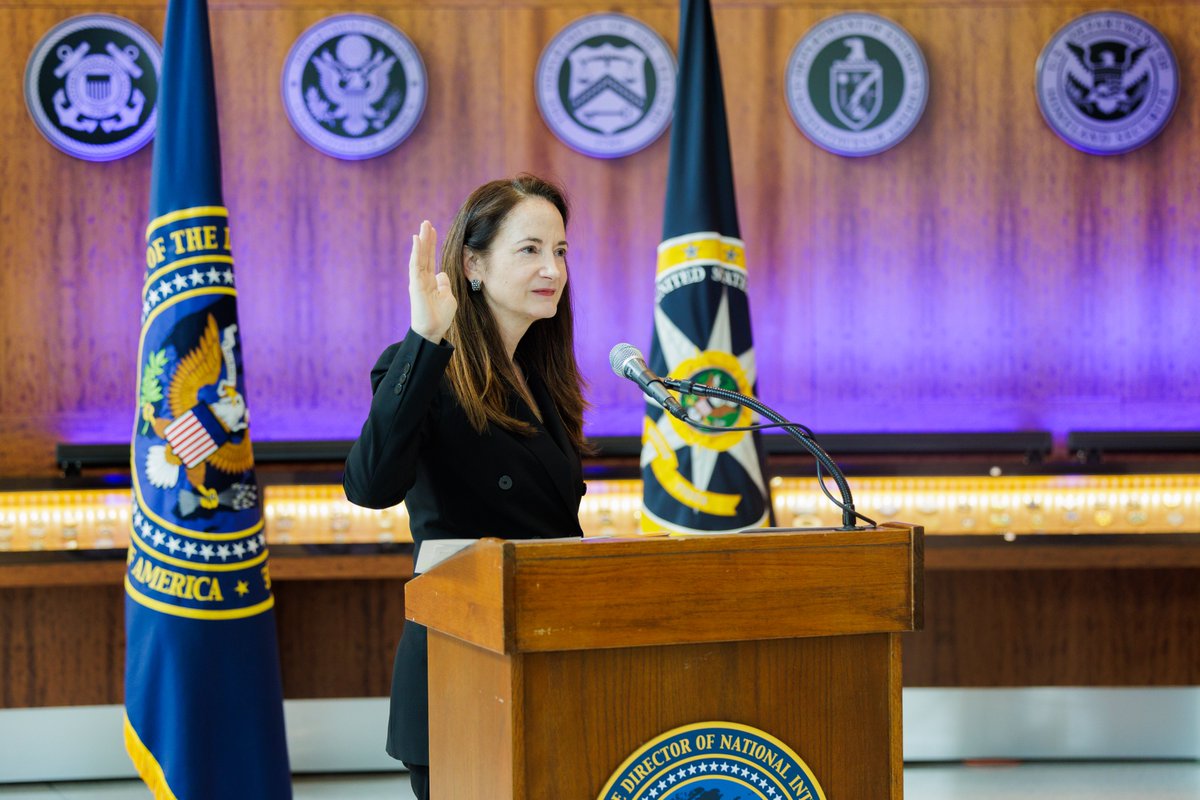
{"x": 418, "y": 446}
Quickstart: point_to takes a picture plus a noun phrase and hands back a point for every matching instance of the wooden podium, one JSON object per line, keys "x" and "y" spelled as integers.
{"x": 551, "y": 662}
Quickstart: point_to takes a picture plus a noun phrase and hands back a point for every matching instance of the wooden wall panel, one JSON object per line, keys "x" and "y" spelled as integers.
{"x": 980, "y": 275}
{"x": 1086, "y": 627}
{"x": 65, "y": 645}
{"x": 338, "y": 638}
{"x": 1083, "y": 625}
{"x": 62, "y": 646}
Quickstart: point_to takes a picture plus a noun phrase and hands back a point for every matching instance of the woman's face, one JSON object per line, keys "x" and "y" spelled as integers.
{"x": 524, "y": 272}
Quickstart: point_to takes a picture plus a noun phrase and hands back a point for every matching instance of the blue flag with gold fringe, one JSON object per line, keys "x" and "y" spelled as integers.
{"x": 203, "y": 700}
{"x": 698, "y": 481}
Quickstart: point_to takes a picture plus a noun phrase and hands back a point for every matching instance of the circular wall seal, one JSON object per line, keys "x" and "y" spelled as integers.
{"x": 354, "y": 86}
{"x": 713, "y": 760}
{"x": 1107, "y": 82}
{"x": 856, "y": 84}
{"x": 606, "y": 85}
{"x": 91, "y": 86}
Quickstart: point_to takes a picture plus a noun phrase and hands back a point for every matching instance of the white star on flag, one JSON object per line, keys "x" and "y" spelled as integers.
{"x": 676, "y": 348}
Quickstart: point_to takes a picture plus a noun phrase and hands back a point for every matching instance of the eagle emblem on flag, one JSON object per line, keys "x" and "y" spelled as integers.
{"x": 201, "y": 434}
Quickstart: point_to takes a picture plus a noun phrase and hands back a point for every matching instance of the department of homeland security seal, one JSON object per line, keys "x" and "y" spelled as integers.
{"x": 856, "y": 84}
{"x": 354, "y": 86}
{"x": 91, "y": 84}
{"x": 713, "y": 761}
{"x": 606, "y": 85}
{"x": 1107, "y": 82}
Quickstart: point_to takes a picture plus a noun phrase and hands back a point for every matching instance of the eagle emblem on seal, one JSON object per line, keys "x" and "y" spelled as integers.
{"x": 354, "y": 81}
{"x": 207, "y": 426}
{"x": 1107, "y": 80}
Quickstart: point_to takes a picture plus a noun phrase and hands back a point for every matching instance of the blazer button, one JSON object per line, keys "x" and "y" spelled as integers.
{"x": 403, "y": 377}
{"x": 505, "y": 482}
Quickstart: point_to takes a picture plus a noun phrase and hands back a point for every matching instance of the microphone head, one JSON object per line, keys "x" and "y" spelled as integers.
{"x": 620, "y": 355}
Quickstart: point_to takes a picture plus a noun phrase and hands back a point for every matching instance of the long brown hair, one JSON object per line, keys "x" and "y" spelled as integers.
{"x": 480, "y": 371}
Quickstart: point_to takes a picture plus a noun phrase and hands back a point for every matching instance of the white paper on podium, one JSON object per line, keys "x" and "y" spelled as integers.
{"x": 435, "y": 551}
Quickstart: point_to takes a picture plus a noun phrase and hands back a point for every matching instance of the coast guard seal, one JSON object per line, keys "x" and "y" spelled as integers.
{"x": 856, "y": 84}
{"x": 606, "y": 85}
{"x": 1107, "y": 82}
{"x": 91, "y": 84}
{"x": 354, "y": 86}
{"x": 713, "y": 761}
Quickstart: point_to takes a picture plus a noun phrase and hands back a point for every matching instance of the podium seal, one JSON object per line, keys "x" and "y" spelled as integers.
{"x": 713, "y": 761}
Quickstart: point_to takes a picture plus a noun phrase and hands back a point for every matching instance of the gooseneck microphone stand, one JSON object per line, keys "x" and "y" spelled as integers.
{"x": 809, "y": 444}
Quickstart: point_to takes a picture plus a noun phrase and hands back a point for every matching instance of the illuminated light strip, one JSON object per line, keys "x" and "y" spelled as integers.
{"x": 100, "y": 519}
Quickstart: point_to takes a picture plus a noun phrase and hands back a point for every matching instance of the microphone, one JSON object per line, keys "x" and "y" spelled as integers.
{"x": 627, "y": 362}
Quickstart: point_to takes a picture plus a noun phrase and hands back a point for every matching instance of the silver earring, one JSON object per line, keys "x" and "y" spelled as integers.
{"x": 476, "y": 284}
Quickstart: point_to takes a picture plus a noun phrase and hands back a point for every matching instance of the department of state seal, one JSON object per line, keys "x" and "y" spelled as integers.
{"x": 354, "y": 86}
{"x": 1107, "y": 82}
{"x": 606, "y": 85}
{"x": 91, "y": 84}
{"x": 856, "y": 84}
{"x": 713, "y": 761}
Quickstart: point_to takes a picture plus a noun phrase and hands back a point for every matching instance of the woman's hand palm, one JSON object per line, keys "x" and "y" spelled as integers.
{"x": 430, "y": 297}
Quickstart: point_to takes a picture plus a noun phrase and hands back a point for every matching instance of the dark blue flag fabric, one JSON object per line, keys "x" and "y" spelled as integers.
{"x": 699, "y": 481}
{"x": 203, "y": 702}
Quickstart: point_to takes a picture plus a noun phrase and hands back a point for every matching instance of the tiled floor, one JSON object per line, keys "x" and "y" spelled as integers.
{"x": 1036, "y": 781}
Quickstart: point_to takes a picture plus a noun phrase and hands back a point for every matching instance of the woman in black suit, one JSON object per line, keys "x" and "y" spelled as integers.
{"x": 476, "y": 419}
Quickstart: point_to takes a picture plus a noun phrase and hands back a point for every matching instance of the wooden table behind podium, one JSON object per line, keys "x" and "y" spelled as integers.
{"x": 551, "y": 662}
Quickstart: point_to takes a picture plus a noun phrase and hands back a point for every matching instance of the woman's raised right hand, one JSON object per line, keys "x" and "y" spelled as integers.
{"x": 430, "y": 298}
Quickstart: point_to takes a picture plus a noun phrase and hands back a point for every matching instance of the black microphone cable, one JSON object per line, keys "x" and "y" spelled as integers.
{"x": 799, "y": 432}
